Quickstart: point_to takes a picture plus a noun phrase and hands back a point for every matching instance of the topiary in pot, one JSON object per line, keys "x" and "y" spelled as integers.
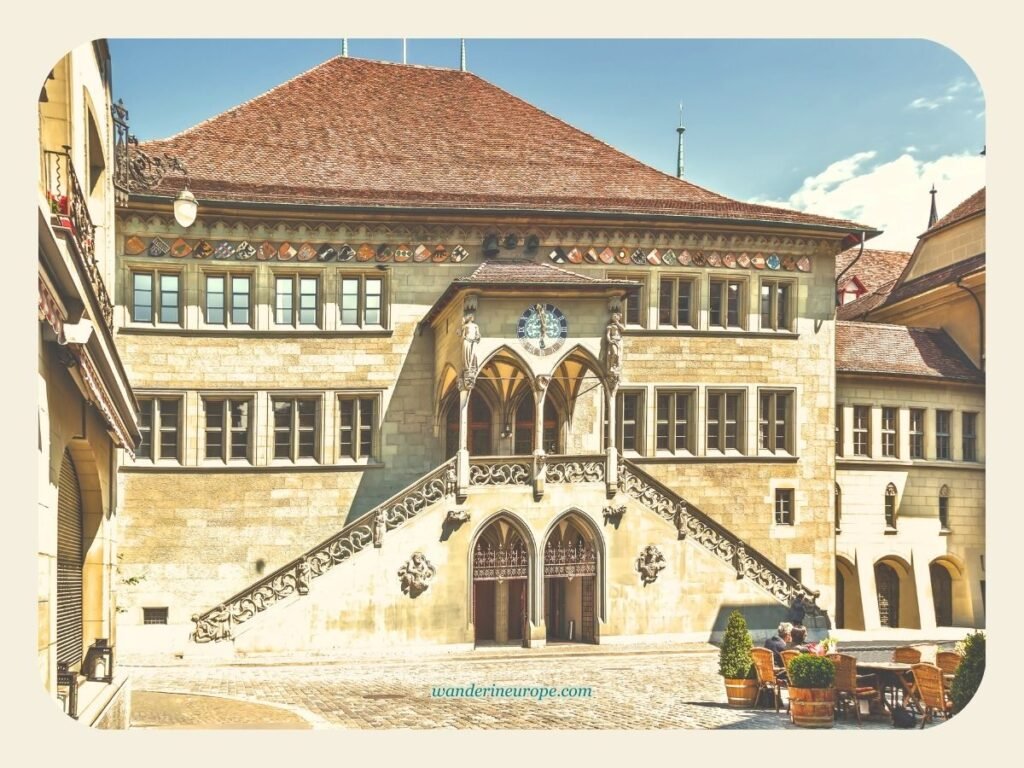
{"x": 811, "y": 692}
{"x": 735, "y": 664}
{"x": 969, "y": 673}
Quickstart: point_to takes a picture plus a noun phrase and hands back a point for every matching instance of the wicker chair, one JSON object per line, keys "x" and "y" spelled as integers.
{"x": 948, "y": 661}
{"x": 851, "y": 689}
{"x": 788, "y": 656}
{"x": 931, "y": 690}
{"x": 907, "y": 654}
{"x": 764, "y": 665}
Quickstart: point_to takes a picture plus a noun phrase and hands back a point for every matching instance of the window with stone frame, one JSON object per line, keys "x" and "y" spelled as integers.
{"x": 724, "y": 422}
{"x": 160, "y": 427}
{"x": 633, "y": 309}
{"x": 890, "y": 507}
{"x": 943, "y": 438}
{"x": 156, "y": 297}
{"x": 227, "y": 428}
{"x": 889, "y": 431}
{"x": 630, "y": 426}
{"x": 297, "y": 300}
{"x": 969, "y": 436}
{"x": 861, "y": 430}
{"x": 677, "y": 302}
{"x": 776, "y": 304}
{"x": 296, "y": 428}
{"x": 916, "y": 433}
{"x": 726, "y": 303}
{"x": 784, "y": 506}
{"x": 358, "y": 427}
{"x": 775, "y": 421}
{"x": 227, "y": 299}
{"x": 673, "y": 418}
{"x": 362, "y": 303}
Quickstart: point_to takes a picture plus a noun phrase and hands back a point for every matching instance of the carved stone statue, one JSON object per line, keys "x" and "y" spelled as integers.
{"x": 613, "y": 337}
{"x": 416, "y": 574}
{"x": 613, "y": 514}
{"x": 450, "y": 481}
{"x": 650, "y": 563}
{"x": 380, "y": 527}
{"x": 680, "y": 519}
{"x": 302, "y": 577}
{"x": 739, "y": 559}
{"x": 470, "y": 338}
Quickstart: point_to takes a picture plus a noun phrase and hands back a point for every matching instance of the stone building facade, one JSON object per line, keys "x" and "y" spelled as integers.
{"x": 910, "y": 472}
{"x": 86, "y": 409}
{"x": 439, "y": 381}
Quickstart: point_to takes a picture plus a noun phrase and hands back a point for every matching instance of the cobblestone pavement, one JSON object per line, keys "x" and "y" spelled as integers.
{"x": 674, "y": 687}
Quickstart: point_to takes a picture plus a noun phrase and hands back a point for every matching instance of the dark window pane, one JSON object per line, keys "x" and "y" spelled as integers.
{"x": 734, "y": 304}
{"x": 665, "y": 303}
{"x": 633, "y": 306}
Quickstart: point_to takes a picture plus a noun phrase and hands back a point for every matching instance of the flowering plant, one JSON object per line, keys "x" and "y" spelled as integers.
{"x": 57, "y": 204}
{"x": 826, "y": 646}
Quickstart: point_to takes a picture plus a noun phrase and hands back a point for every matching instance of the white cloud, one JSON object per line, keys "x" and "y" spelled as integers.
{"x": 911, "y": 149}
{"x": 891, "y": 196}
{"x": 950, "y": 95}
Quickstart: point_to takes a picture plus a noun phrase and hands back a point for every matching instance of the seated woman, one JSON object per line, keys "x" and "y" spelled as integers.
{"x": 798, "y": 639}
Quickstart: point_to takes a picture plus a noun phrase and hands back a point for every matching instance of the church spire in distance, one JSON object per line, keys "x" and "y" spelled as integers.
{"x": 680, "y": 130}
{"x": 934, "y": 215}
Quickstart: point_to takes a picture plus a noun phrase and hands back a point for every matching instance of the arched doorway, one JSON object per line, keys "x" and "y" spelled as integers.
{"x": 70, "y": 561}
{"x": 887, "y": 585}
{"x": 501, "y": 584}
{"x": 571, "y": 582}
{"x": 942, "y": 594}
{"x": 525, "y": 423}
{"x": 840, "y": 600}
{"x": 849, "y": 612}
{"x": 480, "y": 423}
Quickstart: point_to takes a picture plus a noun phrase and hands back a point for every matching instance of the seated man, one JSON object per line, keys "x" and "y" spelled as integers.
{"x": 779, "y": 641}
{"x": 798, "y": 638}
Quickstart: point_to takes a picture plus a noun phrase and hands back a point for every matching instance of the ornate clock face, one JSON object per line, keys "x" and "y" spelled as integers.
{"x": 542, "y": 329}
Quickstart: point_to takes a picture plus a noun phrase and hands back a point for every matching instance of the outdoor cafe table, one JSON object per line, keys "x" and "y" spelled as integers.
{"x": 891, "y": 674}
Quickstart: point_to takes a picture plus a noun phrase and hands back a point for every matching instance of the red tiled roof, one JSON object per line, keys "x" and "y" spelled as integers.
{"x": 873, "y": 269}
{"x": 972, "y": 205}
{"x": 355, "y": 133}
{"x": 896, "y": 349}
{"x": 859, "y": 308}
{"x": 937, "y": 278}
{"x": 526, "y": 274}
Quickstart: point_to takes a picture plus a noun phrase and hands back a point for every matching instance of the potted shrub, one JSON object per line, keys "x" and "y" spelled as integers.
{"x": 735, "y": 664}
{"x": 969, "y": 673}
{"x": 811, "y": 692}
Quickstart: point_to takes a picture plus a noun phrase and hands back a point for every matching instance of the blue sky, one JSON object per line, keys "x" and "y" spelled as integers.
{"x": 853, "y": 128}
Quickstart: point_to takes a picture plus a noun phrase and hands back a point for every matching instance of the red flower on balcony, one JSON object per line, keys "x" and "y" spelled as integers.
{"x": 58, "y": 205}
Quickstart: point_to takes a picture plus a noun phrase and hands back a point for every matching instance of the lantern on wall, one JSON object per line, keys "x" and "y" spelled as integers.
{"x": 99, "y": 661}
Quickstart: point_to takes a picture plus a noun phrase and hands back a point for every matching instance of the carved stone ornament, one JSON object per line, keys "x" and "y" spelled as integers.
{"x": 451, "y": 479}
{"x": 613, "y": 514}
{"x": 739, "y": 560}
{"x": 302, "y": 577}
{"x": 613, "y": 347}
{"x": 416, "y": 575}
{"x": 457, "y": 516}
{"x": 650, "y": 563}
{"x": 470, "y": 334}
{"x": 681, "y": 518}
{"x": 380, "y": 527}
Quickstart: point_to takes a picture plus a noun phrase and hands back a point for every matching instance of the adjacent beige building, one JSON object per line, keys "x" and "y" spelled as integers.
{"x": 910, "y": 437}
{"x": 415, "y": 376}
{"x": 86, "y": 409}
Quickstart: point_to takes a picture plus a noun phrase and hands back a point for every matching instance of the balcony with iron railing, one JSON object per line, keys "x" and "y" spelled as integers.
{"x": 69, "y": 212}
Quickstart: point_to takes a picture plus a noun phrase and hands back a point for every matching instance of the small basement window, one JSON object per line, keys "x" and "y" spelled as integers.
{"x": 154, "y": 615}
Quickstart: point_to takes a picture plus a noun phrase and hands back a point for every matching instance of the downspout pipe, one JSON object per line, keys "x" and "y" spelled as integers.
{"x": 863, "y": 238}
{"x": 981, "y": 322}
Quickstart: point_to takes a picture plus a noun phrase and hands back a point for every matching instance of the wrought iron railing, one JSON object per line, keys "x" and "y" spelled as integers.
{"x": 714, "y": 537}
{"x": 69, "y": 210}
{"x": 294, "y": 577}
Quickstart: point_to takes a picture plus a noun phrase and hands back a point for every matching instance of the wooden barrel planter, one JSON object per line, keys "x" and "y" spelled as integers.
{"x": 740, "y": 692}
{"x": 812, "y": 707}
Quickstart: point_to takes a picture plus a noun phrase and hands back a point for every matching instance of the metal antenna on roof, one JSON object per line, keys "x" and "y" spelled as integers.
{"x": 934, "y": 215}
{"x": 462, "y": 54}
{"x": 403, "y": 52}
{"x": 680, "y": 130}
{"x": 344, "y": 47}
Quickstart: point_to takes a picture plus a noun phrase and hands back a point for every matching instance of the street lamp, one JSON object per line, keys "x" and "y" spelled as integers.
{"x": 135, "y": 171}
